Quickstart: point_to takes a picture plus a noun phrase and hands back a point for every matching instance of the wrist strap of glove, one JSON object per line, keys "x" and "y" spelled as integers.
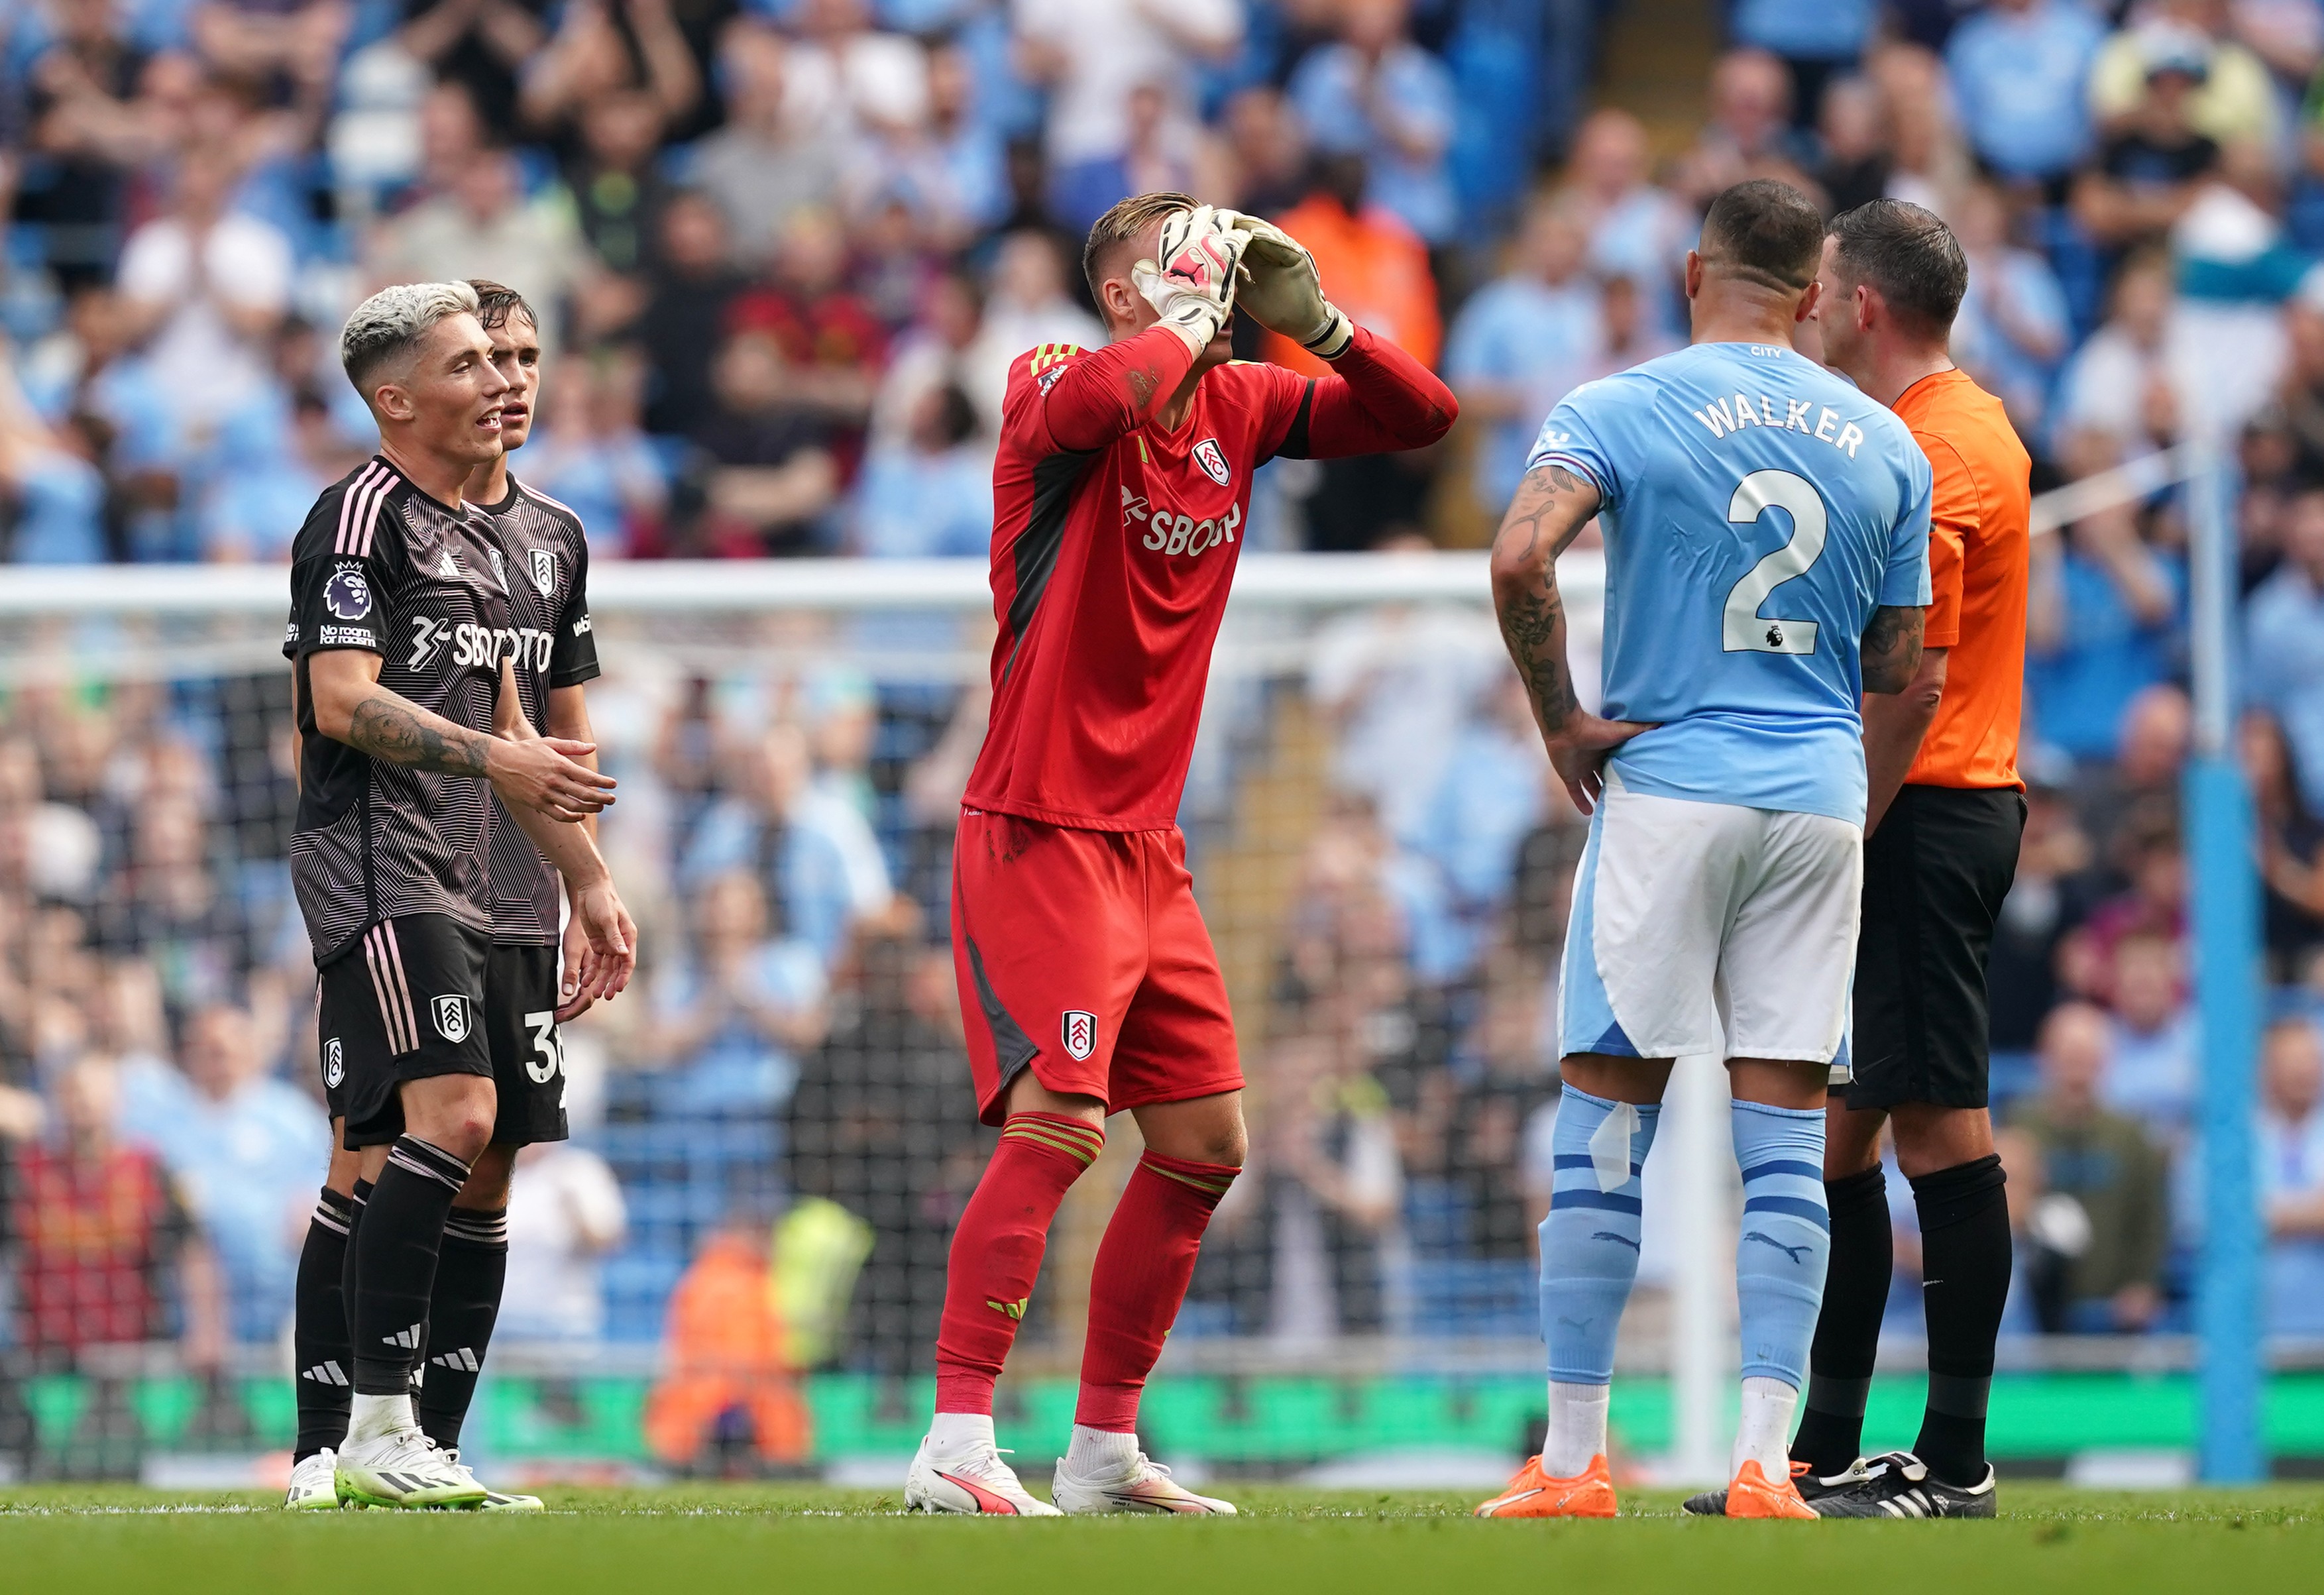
{"x": 1333, "y": 342}
{"x": 1195, "y": 322}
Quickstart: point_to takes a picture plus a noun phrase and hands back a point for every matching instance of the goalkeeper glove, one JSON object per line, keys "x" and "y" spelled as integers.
{"x": 1192, "y": 278}
{"x": 1283, "y": 292}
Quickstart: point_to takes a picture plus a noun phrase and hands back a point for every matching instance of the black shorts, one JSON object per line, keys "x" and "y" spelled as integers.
{"x": 1934, "y": 875}
{"x": 527, "y": 1053}
{"x": 405, "y": 1003}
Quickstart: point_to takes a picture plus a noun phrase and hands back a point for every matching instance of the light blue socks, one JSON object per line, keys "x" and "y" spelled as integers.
{"x": 1785, "y": 1240}
{"x": 1590, "y": 1240}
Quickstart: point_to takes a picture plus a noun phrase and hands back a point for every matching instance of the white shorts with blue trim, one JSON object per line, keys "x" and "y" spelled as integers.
{"x": 1711, "y": 928}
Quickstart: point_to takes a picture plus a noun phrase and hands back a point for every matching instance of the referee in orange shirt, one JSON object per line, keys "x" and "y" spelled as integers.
{"x": 1941, "y": 850}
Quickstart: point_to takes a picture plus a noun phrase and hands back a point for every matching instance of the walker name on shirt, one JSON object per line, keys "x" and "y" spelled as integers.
{"x": 1784, "y": 414}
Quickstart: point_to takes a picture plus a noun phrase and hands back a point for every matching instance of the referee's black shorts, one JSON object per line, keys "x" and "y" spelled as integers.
{"x": 1934, "y": 875}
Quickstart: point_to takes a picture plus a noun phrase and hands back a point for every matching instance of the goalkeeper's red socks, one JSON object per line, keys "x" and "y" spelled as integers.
{"x": 1143, "y": 1266}
{"x": 996, "y": 1252}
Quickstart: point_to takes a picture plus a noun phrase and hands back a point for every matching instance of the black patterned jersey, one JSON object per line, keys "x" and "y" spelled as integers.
{"x": 545, "y": 558}
{"x": 382, "y": 567}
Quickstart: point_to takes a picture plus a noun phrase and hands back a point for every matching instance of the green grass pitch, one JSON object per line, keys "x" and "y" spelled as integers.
{"x": 726, "y": 1539}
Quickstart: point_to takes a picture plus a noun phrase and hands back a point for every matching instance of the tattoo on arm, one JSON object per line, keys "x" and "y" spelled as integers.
{"x": 1892, "y": 646}
{"x": 390, "y": 727}
{"x": 1551, "y": 506}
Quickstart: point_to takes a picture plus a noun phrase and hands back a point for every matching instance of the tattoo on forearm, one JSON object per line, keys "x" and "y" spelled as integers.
{"x": 389, "y": 728}
{"x": 1533, "y": 625}
{"x": 1551, "y": 506}
{"x": 1891, "y": 649}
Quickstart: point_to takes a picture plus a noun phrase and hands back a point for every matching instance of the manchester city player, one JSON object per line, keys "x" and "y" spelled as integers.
{"x": 1766, "y": 532}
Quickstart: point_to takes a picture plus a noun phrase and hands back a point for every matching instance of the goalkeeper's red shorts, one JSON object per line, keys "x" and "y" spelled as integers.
{"x": 1081, "y": 956}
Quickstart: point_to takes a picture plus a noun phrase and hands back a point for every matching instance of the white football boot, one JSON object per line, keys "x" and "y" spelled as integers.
{"x": 1141, "y": 1484}
{"x": 404, "y": 1467}
{"x": 496, "y": 1500}
{"x": 974, "y": 1480}
{"x": 314, "y": 1484}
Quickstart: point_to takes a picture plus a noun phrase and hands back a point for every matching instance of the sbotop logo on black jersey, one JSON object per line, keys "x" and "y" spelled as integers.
{"x": 348, "y": 594}
{"x": 1214, "y": 460}
{"x": 478, "y": 647}
{"x": 428, "y": 634}
{"x": 544, "y": 570}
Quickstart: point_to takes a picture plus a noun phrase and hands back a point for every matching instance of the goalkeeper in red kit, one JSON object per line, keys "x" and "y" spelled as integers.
{"x": 1087, "y": 980}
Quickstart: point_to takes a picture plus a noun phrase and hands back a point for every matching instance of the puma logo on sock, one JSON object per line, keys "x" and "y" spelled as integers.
{"x": 1798, "y": 1254}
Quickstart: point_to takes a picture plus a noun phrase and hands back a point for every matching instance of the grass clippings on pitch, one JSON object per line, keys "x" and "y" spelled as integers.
{"x": 726, "y": 1539}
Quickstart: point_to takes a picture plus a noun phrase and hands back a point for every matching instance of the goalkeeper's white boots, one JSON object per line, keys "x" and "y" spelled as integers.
{"x": 1107, "y": 1473}
{"x": 971, "y": 1479}
{"x": 397, "y": 1465}
{"x": 314, "y": 1484}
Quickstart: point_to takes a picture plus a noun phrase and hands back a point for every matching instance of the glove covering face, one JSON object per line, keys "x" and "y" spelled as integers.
{"x": 1192, "y": 281}
{"x": 1282, "y": 290}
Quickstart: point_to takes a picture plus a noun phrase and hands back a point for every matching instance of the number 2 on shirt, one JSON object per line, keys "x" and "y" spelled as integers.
{"x": 1746, "y": 630}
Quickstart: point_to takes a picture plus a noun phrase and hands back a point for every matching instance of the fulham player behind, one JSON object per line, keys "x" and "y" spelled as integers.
{"x": 401, "y": 637}
{"x": 539, "y": 558}
{"x": 1087, "y": 980}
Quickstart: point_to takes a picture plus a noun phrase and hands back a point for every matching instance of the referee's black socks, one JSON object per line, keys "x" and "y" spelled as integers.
{"x": 470, "y": 1272}
{"x": 1847, "y": 1327}
{"x": 395, "y": 1262}
{"x": 1965, "y": 1263}
{"x": 319, "y": 1329}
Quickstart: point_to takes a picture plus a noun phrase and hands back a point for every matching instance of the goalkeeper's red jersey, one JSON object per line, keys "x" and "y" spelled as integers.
{"x": 1115, "y": 542}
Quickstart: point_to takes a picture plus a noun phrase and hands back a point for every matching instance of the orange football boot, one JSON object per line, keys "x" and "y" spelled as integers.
{"x": 1534, "y": 1494}
{"x": 1751, "y": 1495}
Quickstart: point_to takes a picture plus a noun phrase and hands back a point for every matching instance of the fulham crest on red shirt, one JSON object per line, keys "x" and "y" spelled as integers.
{"x": 1212, "y": 459}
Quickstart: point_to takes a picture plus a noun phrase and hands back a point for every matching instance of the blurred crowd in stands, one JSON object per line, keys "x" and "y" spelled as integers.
{"x": 784, "y": 251}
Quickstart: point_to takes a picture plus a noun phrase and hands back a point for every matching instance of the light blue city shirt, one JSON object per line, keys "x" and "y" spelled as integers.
{"x": 1756, "y": 510}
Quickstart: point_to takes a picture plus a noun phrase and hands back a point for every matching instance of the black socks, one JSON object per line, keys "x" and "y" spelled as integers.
{"x": 324, "y": 1380}
{"x": 470, "y": 1271}
{"x": 1847, "y": 1327}
{"x": 1965, "y": 1250}
{"x": 393, "y": 1262}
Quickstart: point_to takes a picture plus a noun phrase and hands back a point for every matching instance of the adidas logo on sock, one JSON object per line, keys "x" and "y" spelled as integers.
{"x": 326, "y": 1373}
{"x": 408, "y": 1339}
{"x": 1012, "y": 1310}
{"x": 464, "y": 1360}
